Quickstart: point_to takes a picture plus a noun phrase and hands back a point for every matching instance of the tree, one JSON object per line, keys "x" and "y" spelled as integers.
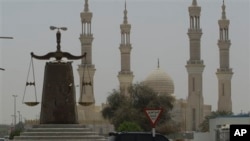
{"x": 204, "y": 126}
{"x": 4, "y": 130}
{"x": 17, "y": 131}
{"x": 122, "y": 108}
{"x": 129, "y": 126}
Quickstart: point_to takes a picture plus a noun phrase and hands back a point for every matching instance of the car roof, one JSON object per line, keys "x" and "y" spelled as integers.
{"x": 135, "y": 136}
{"x": 121, "y": 133}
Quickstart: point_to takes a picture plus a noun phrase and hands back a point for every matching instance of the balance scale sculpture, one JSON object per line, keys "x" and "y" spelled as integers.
{"x": 58, "y": 104}
{"x": 58, "y": 119}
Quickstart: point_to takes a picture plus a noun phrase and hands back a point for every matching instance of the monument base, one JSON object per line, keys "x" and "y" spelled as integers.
{"x": 59, "y": 132}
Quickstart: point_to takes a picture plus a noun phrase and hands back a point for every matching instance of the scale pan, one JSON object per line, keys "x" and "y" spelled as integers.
{"x": 85, "y": 103}
{"x": 31, "y": 103}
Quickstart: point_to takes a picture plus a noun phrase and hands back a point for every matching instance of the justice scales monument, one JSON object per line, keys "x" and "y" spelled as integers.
{"x": 58, "y": 118}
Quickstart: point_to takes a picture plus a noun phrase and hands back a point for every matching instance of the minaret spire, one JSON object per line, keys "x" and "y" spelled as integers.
{"x": 86, "y": 6}
{"x": 125, "y": 19}
{"x": 224, "y": 72}
{"x": 125, "y": 76}
{"x": 86, "y": 36}
{"x": 194, "y": 3}
{"x": 223, "y": 11}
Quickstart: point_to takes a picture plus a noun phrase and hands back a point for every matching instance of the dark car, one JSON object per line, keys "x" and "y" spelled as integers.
{"x": 136, "y": 136}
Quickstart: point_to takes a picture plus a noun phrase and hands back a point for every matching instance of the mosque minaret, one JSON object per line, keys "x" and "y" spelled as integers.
{"x": 224, "y": 72}
{"x": 195, "y": 69}
{"x": 125, "y": 76}
{"x": 86, "y": 68}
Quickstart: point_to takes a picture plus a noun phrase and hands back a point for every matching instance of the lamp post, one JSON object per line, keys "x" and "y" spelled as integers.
{"x": 12, "y": 119}
{"x": 14, "y": 96}
{"x": 19, "y": 116}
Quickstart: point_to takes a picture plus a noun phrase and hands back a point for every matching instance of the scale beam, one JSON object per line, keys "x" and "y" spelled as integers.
{"x": 58, "y": 54}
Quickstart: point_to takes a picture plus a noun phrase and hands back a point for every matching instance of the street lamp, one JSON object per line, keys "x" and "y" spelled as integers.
{"x": 5, "y": 38}
{"x": 14, "y": 96}
{"x": 12, "y": 119}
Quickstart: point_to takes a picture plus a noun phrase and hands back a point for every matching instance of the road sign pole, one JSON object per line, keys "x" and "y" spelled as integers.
{"x": 153, "y": 132}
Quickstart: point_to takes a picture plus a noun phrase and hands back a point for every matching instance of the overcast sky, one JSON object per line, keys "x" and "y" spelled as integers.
{"x": 159, "y": 30}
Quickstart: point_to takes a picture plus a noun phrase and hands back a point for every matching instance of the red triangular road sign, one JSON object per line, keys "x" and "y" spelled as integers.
{"x": 153, "y": 114}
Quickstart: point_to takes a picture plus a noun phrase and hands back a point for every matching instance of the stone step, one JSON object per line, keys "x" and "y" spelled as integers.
{"x": 59, "y": 126}
{"x": 59, "y": 130}
{"x": 58, "y": 133}
{"x": 35, "y": 138}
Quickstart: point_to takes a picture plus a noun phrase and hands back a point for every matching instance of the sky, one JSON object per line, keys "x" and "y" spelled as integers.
{"x": 159, "y": 30}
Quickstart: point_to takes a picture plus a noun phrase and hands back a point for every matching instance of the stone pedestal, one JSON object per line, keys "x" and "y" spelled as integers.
{"x": 58, "y": 99}
{"x": 59, "y": 132}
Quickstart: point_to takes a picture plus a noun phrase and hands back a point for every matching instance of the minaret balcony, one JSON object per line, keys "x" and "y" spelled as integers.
{"x": 125, "y": 48}
{"x": 195, "y": 62}
{"x": 86, "y": 66}
{"x": 194, "y": 31}
{"x": 85, "y": 35}
{"x": 224, "y": 23}
{"x": 86, "y": 17}
{"x": 125, "y": 28}
{"x": 225, "y": 70}
{"x": 194, "y": 10}
{"x": 86, "y": 38}
{"x": 125, "y": 45}
{"x": 126, "y": 73}
{"x": 224, "y": 43}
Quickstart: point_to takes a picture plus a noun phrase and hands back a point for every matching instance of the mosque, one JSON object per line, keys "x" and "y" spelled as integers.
{"x": 188, "y": 112}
